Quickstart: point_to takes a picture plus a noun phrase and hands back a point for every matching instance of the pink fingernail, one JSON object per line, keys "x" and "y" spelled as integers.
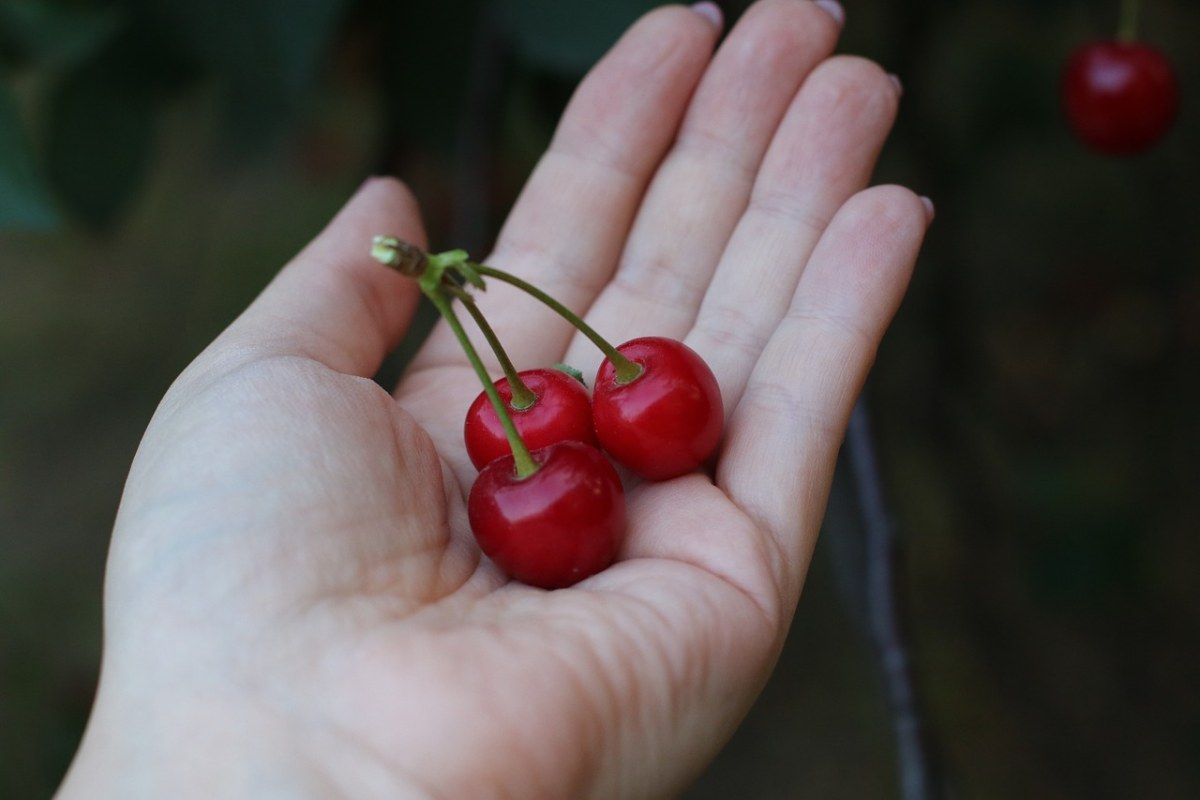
{"x": 711, "y": 12}
{"x": 930, "y": 212}
{"x": 835, "y": 10}
{"x": 897, "y": 83}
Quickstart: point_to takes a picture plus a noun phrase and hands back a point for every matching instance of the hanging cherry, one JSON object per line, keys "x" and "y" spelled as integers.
{"x": 1120, "y": 95}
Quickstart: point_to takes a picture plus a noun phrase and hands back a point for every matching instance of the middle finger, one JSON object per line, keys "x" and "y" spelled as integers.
{"x": 824, "y": 153}
{"x": 703, "y": 185}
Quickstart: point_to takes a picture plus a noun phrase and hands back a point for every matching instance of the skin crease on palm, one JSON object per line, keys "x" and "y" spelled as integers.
{"x": 294, "y": 604}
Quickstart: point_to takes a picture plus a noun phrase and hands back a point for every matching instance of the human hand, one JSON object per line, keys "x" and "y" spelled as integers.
{"x": 294, "y": 603}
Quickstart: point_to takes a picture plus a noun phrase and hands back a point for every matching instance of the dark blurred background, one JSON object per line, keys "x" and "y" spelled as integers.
{"x": 1033, "y": 408}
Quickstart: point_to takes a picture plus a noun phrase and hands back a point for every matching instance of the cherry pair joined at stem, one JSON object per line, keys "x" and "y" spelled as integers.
{"x": 661, "y": 424}
{"x": 656, "y": 406}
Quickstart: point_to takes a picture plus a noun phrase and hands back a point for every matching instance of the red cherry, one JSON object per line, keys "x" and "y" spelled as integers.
{"x": 1120, "y": 97}
{"x": 562, "y": 411}
{"x": 667, "y": 420}
{"x": 555, "y": 527}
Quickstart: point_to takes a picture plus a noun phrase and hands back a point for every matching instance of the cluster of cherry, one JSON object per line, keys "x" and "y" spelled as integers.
{"x": 548, "y": 505}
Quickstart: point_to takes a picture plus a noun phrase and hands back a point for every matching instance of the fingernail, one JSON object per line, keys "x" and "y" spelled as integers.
{"x": 896, "y": 81}
{"x": 711, "y": 12}
{"x": 930, "y": 212}
{"x": 835, "y": 10}
{"x": 372, "y": 180}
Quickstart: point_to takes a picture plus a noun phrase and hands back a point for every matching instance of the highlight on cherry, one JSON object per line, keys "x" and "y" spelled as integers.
{"x": 548, "y": 503}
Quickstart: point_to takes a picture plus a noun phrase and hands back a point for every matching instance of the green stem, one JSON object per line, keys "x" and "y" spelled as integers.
{"x": 626, "y": 370}
{"x": 1127, "y": 27}
{"x": 525, "y": 464}
{"x": 522, "y": 396}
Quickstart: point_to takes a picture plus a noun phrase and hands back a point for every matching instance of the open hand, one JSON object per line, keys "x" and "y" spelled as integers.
{"x": 295, "y": 605}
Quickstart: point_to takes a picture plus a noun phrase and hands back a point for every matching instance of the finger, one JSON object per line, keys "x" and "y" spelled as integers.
{"x": 826, "y": 151}
{"x": 705, "y": 182}
{"x": 567, "y": 227}
{"x": 333, "y": 303}
{"x": 783, "y": 437}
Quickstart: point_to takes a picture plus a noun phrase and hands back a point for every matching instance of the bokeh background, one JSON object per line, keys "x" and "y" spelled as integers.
{"x": 1034, "y": 408}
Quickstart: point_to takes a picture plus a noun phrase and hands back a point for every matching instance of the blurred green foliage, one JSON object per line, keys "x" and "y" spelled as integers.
{"x": 95, "y": 77}
{"x": 23, "y": 200}
{"x": 1035, "y": 399}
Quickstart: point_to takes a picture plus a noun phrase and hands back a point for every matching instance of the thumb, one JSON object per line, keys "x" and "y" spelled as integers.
{"x": 333, "y": 303}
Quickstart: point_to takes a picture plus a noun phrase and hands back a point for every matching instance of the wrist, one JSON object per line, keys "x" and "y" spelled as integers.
{"x": 205, "y": 747}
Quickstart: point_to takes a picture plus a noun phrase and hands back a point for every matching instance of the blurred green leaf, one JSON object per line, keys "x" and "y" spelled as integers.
{"x": 100, "y": 135}
{"x": 24, "y": 202}
{"x": 266, "y": 53}
{"x": 567, "y": 36}
{"x": 45, "y": 32}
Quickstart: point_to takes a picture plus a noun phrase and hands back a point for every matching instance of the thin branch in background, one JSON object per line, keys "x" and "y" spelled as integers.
{"x": 885, "y": 621}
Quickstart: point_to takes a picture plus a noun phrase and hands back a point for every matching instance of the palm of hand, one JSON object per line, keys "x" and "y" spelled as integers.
{"x": 292, "y": 548}
{"x": 375, "y": 627}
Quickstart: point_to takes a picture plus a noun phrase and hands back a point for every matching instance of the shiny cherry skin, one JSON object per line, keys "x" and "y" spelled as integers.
{"x": 555, "y": 527}
{"x": 562, "y": 411}
{"x": 666, "y": 421}
{"x": 1120, "y": 97}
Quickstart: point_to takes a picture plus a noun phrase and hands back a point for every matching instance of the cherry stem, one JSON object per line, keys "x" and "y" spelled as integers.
{"x": 1127, "y": 28}
{"x": 626, "y": 370}
{"x": 522, "y": 396}
{"x": 430, "y": 272}
{"x": 525, "y": 465}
